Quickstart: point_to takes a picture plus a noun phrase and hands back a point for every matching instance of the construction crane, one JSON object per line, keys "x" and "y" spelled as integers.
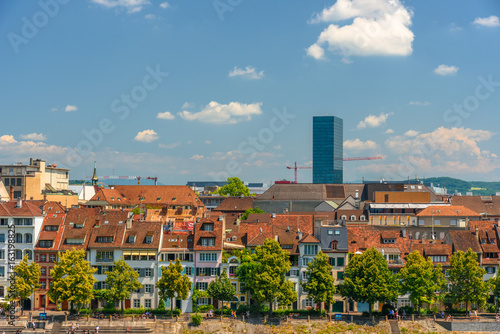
{"x": 295, "y": 167}
{"x": 138, "y": 178}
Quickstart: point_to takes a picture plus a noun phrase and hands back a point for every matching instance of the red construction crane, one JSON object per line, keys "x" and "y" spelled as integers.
{"x": 295, "y": 167}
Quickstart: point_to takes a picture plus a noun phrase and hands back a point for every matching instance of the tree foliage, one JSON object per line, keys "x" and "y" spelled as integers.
{"x": 221, "y": 288}
{"x": 320, "y": 284}
{"x": 122, "y": 281}
{"x": 264, "y": 274}
{"x": 421, "y": 279}
{"x": 173, "y": 284}
{"x": 367, "y": 279}
{"x": 494, "y": 284}
{"x": 466, "y": 279}
{"x": 249, "y": 211}
{"x": 72, "y": 279}
{"x": 234, "y": 187}
{"x": 26, "y": 278}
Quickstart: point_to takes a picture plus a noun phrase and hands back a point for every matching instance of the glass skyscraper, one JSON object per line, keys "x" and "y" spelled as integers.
{"x": 328, "y": 140}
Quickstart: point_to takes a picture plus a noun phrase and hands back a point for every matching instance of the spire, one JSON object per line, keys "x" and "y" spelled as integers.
{"x": 95, "y": 178}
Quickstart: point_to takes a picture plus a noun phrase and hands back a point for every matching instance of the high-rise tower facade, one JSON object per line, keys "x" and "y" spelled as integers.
{"x": 328, "y": 140}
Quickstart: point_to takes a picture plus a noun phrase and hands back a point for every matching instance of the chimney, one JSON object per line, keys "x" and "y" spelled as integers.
{"x": 129, "y": 224}
{"x": 299, "y": 232}
{"x": 223, "y": 232}
{"x": 97, "y": 223}
{"x": 19, "y": 203}
{"x": 31, "y": 161}
{"x": 403, "y": 232}
{"x": 274, "y": 215}
{"x": 276, "y": 237}
{"x": 11, "y": 192}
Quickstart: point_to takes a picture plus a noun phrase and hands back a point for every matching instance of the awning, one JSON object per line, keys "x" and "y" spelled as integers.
{"x": 387, "y": 250}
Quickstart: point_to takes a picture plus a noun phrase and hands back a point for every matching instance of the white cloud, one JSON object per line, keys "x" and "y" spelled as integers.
{"x": 419, "y": 103}
{"x": 132, "y": 6}
{"x": 146, "y": 136}
{"x": 249, "y": 73}
{"x": 34, "y": 136}
{"x": 10, "y": 147}
{"x": 70, "y": 107}
{"x": 165, "y": 115}
{"x": 188, "y": 105}
{"x": 208, "y": 142}
{"x": 373, "y": 121}
{"x": 7, "y": 139}
{"x": 150, "y": 16}
{"x": 411, "y": 133}
{"x": 164, "y": 5}
{"x": 231, "y": 113}
{"x": 455, "y": 28}
{"x": 455, "y": 142}
{"x": 197, "y": 157}
{"x": 445, "y": 70}
{"x": 359, "y": 145}
{"x": 379, "y": 27}
{"x": 491, "y": 21}
{"x": 389, "y": 131}
{"x": 316, "y": 51}
{"x": 169, "y": 146}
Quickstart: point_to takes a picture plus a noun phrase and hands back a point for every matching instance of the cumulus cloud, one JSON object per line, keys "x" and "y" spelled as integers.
{"x": 491, "y": 21}
{"x": 132, "y": 6}
{"x": 10, "y": 147}
{"x": 165, "y": 115}
{"x": 359, "y": 145}
{"x": 164, "y": 5}
{"x": 419, "y": 103}
{"x": 70, "y": 108}
{"x": 34, "y": 136}
{"x": 231, "y": 113}
{"x": 188, "y": 105}
{"x": 389, "y": 131}
{"x": 445, "y": 70}
{"x": 248, "y": 73}
{"x": 169, "y": 146}
{"x": 150, "y": 16}
{"x": 373, "y": 121}
{"x": 379, "y": 27}
{"x": 197, "y": 157}
{"x": 146, "y": 136}
{"x": 457, "y": 142}
{"x": 411, "y": 133}
{"x": 7, "y": 139}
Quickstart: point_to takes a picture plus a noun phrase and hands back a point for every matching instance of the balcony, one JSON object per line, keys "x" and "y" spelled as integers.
{"x": 104, "y": 259}
{"x": 396, "y": 262}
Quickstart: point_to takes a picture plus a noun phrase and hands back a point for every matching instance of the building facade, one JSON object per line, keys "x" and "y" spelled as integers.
{"x": 328, "y": 149}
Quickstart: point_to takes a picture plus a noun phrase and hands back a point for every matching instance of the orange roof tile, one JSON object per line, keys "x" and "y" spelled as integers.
{"x": 447, "y": 211}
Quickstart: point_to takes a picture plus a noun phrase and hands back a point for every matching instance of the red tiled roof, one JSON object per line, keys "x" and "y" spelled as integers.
{"x": 84, "y": 216}
{"x": 240, "y": 204}
{"x": 309, "y": 238}
{"x": 447, "y": 211}
{"x": 159, "y": 195}
{"x": 481, "y": 204}
{"x": 140, "y": 230}
{"x": 27, "y": 209}
{"x": 182, "y": 242}
{"x": 112, "y": 196}
{"x": 199, "y": 233}
{"x": 110, "y": 223}
{"x": 463, "y": 240}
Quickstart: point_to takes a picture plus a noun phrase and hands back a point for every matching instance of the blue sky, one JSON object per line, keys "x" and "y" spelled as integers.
{"x": 191, "y": 90}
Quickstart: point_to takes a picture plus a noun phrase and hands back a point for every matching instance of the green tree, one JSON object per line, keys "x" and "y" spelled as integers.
{"x": 421, "y": 279}
{"x": 173, "y": 284}
{"x": 367, "y": 279}
{"x": 221, "y": 289}
{"x": 320, "y": 284}
{"x": 72, "y": 279}
{"x": 249, "y": 211}
{"x": 494, "y": 283}
{"x": 264, "y": 274}
{"x": 466, "y": 279}
{"x": 122, "y": 281}
{"x": 26, "y": 278}
{"x": 234, "y": 187}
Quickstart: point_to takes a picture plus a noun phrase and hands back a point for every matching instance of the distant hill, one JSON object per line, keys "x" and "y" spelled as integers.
{"x": 478, "y": 188}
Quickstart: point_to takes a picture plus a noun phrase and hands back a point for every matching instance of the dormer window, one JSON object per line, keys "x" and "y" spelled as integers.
{"x": 208, "y": 242}
{"x": 158, "y": 199}
{"x": 131, "y": 239}
{"x": 118, "y": 198}
{"x": 492, "y": 241}
{"x": 483, "y": 241}
{"x": 208, "y": 227}
{"x": 104, "y": 239}
{"x": 174, "y": 199}
{"x": 343, "y": 217}
{"x": 149, "y": 239}
{"x": 334, "y": 244}
{"x": 362, "y": 218}
{"x": 112, "y": 198}
{"x": 233, "y": 238}
{"x": 353, "y": 217}
{"x": 389, "y": 241}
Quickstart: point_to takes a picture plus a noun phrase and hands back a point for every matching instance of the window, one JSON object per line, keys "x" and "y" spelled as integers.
{"x": 294, "y": 272}
{"x": 232, "y": 270}
{"x": 310, "y": 249}
{"x": 189, "y": 271}
{"x": 242, "y": 287}
{"x": 437, "y": 222}
{"x": 19, "y": 255}
{"x": 306, "y": 260}
{"x": 29, "y": 253}
{"x": 148, "y": 288}
{"x": 308, "y": 303}
{"x": 7, "y": 181}
{"x": 137, "y": 303}
{"x": 340, "y": 275}
{"x": 28, "y": 238}
{"x": 235, "y": 286}
{"x": 105, "y": 256}
{"x": 490, "y": 270}
{"x": 147, "y": 303}
{"x": 19, "y": 238}
{"x": 23, "y": 221}
{"x": 19, "y": 182}
{"x": 2, "y": 254}
{"x": 131, "y": 239}
{"x": 386, "y": 198}
{"x": 203, "y": 301}
{"x": 148, "y": 272}
{"x": 52, "y": 258}
{"x": 105, "y": 239}
{"x": 421, "y": 222}
{"x": 208, "y": 257}
{"x": 45, "y": 244}
{"x": 438, "y": 258}
{"x": 389, "y": 241}
{"x": 340, "y": 262}
{"x": 337, "y": 232}
{"x": 2, "y": 237}
{"x": 2, "y": 271}
{"x": 330, "y": 232}
{"x": 353, "y": 217}
{"x": 362, "y": 218}
{"x": 138, "y": 271}
{"x": 210, "y": 242}
{"x": 243, "y": 299}
{"x": 43, "y": 285}
{"x": 344, "y": 217}
{"x": 202, "y": 286}
{"x": 149, "y": 239}
{"x": 208, "y": 227}
{"x": 75, "y": 241}
{"x": 51, "y": 228}
{"x": 453, "y": 222}
{"x": 43, "y": 258}
{"x": 43, "y": 271}
{"x": 4, "y": 221}
{"x": 304, "y": 276}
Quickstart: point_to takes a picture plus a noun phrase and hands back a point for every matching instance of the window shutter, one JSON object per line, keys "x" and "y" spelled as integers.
{"x": 143, "y": 272}
{"x": 218, "y": 271}
{"x": 99, "y": 285}
{"x": 197, "y": 271}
